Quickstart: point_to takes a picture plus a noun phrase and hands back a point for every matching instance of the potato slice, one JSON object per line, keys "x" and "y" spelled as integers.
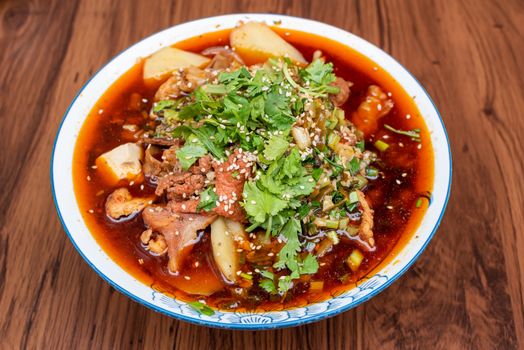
{"x": 159, "y": 65}
{"x": 255, "y": 42}
{"x": 122, "y": 162}
{"x": 223, "y": 237}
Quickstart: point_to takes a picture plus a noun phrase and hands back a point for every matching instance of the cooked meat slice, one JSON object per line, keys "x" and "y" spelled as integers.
{"x": 229, "y": 180}
{"x": 152, "y": 167}
{"x": 202, "y": 166}
{"x": 375, "y": 106}
{"x": 365, "y": 231}
{"x": 224, "y": 58}
{"x": 155, "y": 168}
{"x": 180, "y": 185}
{"x": 342, "y": 96}
{"x": 229, "y": 184}
{"x": 185, "y": 206}
{"x": 120, "y": 203}
{"x": 160, "y": 141}
{"x": 182, "y": 81}
{"x": 179, "y": 229}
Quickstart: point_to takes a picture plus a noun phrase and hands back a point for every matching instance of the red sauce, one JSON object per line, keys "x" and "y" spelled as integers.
{"x": 396, "y": 215}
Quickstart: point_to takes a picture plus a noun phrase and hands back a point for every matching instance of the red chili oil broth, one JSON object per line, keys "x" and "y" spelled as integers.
{"x": 396, "y": 213}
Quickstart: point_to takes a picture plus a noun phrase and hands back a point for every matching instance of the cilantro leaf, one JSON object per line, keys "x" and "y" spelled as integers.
{"x": 275, "y": 147}
{"x": 190, "y": 153}
{"x": 164, "y": 104}
{"x": 288, "y": 253}
{"x": 319, "y": 73}
{"x": 260, "y": 204}
{"x": 309, "y": 265}
{"x": 285, "y": 283}
{"x": 268, "y": 285}
{"x": 278, "y": 112}
{"x": 208, "y": 199}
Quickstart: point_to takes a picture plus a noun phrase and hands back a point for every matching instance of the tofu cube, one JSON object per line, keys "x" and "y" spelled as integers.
{"x": 122, "y": 162}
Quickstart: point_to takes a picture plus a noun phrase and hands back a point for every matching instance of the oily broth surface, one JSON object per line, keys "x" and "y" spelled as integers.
{"x": 122, "y": 104}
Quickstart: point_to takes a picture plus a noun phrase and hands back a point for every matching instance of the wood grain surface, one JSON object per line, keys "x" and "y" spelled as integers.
{"x": 465, "y": 291}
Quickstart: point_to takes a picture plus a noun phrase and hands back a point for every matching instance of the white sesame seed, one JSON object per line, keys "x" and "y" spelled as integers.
{"x": 91, "y": 211}
{"x": 187, "y": 278}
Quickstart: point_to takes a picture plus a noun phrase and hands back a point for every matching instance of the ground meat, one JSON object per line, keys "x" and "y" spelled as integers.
{"x": 120, "y": 203}
{"x": 180, "y": 185}
{"x": 365, "y": 230}
{"x": 342, "y": 96}
{"x": 179, "y": 230}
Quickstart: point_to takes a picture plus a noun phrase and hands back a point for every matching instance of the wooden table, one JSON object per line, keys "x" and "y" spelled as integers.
{"x": 466, "y": 290}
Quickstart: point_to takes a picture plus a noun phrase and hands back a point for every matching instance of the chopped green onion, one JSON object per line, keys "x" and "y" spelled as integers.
{"x": 319, "y": 222}
{"x": 361, "y": 181}
{"x": 381, "y": 145}
{"x": 414, "y": 134}
{"x": 337, "y": 197}
{"x": 340, "y": 115}
{"x": 315, "y": 173}
{"x": 332, "y": 235}
{"x": 354, "y": 260}
{"x": 353, "y": 197}
{"x": 371, "y": 173}
{"x": 246, "y": 276}
{"x": 303, "y": 211}
{"x": 315, "y": 204}
{"x": 351, "y": 206}
{"x": 202, "y": 308}
{"x": 353, "y": 166}
{"x": 361, "y": 145}
{"x": 332, "y": 223}
{"x": 343, "y": 223}
{"x": 333, "y": 140}
{"x": 418, "y": 204}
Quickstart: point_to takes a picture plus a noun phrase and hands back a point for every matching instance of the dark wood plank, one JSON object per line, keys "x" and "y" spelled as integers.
{"x": 464, "y": 292}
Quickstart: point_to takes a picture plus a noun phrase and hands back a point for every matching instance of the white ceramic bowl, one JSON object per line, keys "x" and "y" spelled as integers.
{"x": 69, "y": 212}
